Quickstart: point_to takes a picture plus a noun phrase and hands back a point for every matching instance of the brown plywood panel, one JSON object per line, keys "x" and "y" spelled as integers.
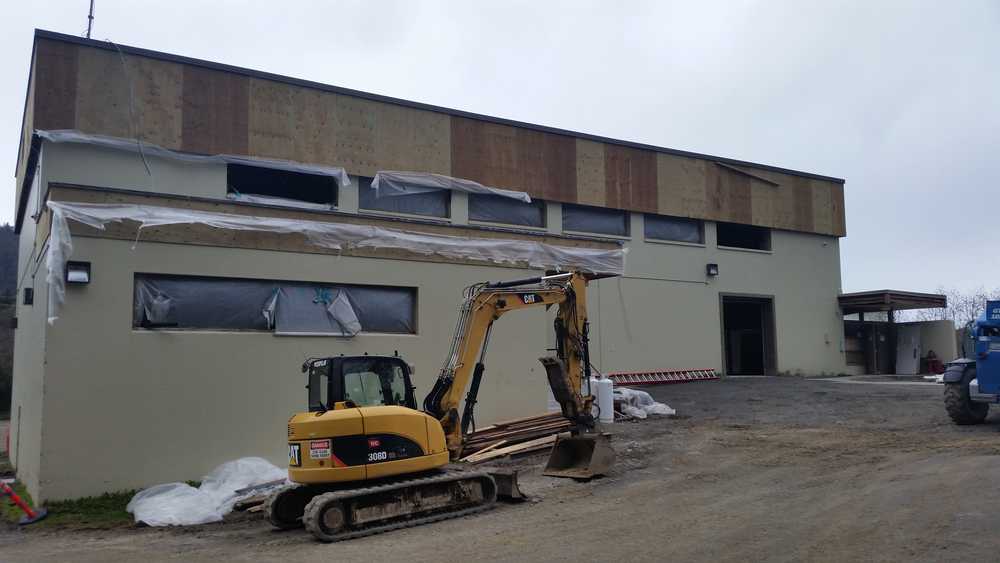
{"x": 589, "y": 172}
{"x": 802, "y": 200}
{"x": 547, "y": 164}
{"x": 630, "y": 178}
{"x": 159, "y": 87}
{"x": 821, "y": 206}
{"x": 681, "y": 186}
{"x": 763, "y": 204}
{"x": 103, "y": 94}
{"x": 215, "y": 109}
{"x": 728, "y": 195}
{"x": 55, "y": 76}
{"x": 837, "y": 209}
{"x": 354, "y": 135}
{"x": 409, "y": 139}
{"x": 270, "y": 132}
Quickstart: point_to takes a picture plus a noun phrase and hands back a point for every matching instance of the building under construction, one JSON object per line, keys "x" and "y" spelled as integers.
{"x": 190, "y": 232}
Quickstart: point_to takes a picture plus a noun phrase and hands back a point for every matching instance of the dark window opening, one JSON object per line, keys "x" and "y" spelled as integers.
{"x": 269, "y": 182}
{"x": 436, "y": 203}
{"x": 210, "y": 303}
{"x": 662, "y": 227}
{"x": 499, "y": 209}
{"x": 743, "y": 236}
{"x": 599, "y": 220}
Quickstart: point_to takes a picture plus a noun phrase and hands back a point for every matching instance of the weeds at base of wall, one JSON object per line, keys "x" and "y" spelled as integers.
{"x": 98, "y": 513}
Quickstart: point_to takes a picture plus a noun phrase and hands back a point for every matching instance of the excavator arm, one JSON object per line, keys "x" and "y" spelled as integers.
{"x": 484, "y": 304}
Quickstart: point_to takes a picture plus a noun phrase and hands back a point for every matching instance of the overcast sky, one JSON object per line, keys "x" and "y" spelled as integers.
{"x": 902, "y": 99}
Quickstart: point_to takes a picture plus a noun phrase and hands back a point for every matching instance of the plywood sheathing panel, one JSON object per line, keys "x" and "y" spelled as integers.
{"x": 409, "y": 139}
{"x": 354, "y": 135}
{"x": 821, "y": 206}
{"x": 728, "y": 195}
{"x": 55, "y": 90}
{"x": 159, "y": 91}
{"x": 681, "y": 185}
{"x": 630, "y": 178}
{"x": 215, "y": 108}
{"x": 208, "y": 236}
{"x": 802, "y": 200}
{"x": 837, "y": 209}
{"x": 542, "y": 164}
{"x": 102, "y": 103}
{"x": 290, "y": 123}
{"x": 590, "y": 172}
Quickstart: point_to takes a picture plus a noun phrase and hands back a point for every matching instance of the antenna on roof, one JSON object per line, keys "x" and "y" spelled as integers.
{"x": 90, "y": 19}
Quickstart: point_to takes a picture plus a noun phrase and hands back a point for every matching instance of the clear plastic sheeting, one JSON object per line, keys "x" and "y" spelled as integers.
{"x": 432, "y": 203}
{"x": 180, "y": 504}
{"x": 388, "y": 183}
{"x": 147, "y": 149}
{"x": 315, "y": 310}
{"x": 337, "y": 236}
{"x": 278, "y": 201}
{"x": 640, "y": 404}
{"x": 495, "y": 209}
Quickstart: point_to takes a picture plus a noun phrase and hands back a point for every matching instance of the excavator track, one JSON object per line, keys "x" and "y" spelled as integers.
{"x": 353, "y": 513}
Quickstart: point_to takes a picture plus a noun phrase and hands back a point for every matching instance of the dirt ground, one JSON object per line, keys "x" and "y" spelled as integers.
{"x": 755, "y": 469}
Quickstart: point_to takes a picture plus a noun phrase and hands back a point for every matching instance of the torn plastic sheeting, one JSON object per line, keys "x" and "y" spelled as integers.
{"x": 640, "y": 404}
{"x": 132, "y": 145}
{"x": 280, "y": 201}
{"x": 390, "y": 183}
{"x": 314, "y": 310}
{"x": 180, "y": 504}
{"x": 337, "y": 236}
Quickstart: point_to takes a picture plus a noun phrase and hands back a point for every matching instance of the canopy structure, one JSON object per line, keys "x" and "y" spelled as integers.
{"x": 889, "y": 300}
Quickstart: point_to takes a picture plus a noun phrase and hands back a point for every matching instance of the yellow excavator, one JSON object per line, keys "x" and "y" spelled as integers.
{"x": 365, "y": 460}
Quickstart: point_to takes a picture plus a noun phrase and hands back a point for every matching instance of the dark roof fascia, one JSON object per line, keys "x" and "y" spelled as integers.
{"x": 29, "y": 178}
{"x": 44, "y": 34}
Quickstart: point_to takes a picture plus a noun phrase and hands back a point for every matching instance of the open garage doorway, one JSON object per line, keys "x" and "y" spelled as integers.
{"x": 748, "y": 335}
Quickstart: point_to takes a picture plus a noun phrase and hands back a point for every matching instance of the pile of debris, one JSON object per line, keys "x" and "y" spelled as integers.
{"x": 516, "y": 436}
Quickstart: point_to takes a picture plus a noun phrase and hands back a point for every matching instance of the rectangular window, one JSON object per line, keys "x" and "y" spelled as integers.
{"x": 208, "y": 303}
{"x": 586, "y": 219}
{"x": 499, "y": 209}
{"x": 436, "y": 203}
{"x": 662, "y": 227}
{"x": 280, "y": 187}
{"x": 743, "y": 236}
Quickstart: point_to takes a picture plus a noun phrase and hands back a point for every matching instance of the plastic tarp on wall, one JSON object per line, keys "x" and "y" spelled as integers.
{"x": 147, "y": 149}
{"x": 495, "y": 209}
{"x": 336, "y": 236}
{"x": 389, "y": 183}
{"x": 433, "y": 203}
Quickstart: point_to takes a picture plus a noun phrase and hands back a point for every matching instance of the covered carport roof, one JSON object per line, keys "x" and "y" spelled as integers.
{"x": 889, "y": 300}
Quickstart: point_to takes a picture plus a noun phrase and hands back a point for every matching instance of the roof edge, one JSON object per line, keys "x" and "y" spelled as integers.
{"x": 52, "y": 35}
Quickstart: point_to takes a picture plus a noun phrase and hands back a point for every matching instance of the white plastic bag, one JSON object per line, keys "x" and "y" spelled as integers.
{"x": 180, "y": 504}
{"x": 640, "y": 404}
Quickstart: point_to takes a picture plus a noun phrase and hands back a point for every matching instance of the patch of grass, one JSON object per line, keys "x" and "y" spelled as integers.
{"x": 100, "y": 512}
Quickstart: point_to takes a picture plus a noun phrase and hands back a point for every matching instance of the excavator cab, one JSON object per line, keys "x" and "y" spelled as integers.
{"x": 358, "y": 381}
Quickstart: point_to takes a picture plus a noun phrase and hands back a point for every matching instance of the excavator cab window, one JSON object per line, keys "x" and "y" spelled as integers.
{"x": 364, "y": 381}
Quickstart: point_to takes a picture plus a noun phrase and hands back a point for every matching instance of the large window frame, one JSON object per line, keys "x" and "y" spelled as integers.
{"x": 500, "y": 210}
{"x": 404, "y": 205}
{"x": 273, "y": 186}
{"x": 674, "y": 230}
{"x": 739, "y": 236}
{"x": 592, "y": 215}
{"x": 226, "y": 304}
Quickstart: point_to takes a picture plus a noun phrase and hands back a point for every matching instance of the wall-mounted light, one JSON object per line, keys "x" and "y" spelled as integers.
{"x": 711, "y": 270}
{"x": 78, "y": 272}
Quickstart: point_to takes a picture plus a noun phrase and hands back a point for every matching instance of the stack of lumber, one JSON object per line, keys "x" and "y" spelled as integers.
{"x": 514, "y": 436}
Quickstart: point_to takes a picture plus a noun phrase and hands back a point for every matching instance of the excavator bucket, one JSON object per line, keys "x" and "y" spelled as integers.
{"x": 580, "y": 457}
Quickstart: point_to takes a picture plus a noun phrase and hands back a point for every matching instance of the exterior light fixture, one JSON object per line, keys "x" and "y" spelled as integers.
{"x": 711, "y": 270}
{"x": 78, "y": 272}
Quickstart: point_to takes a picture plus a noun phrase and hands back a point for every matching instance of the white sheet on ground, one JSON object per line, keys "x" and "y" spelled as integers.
{"x": 180, "y": 504}
{"x": 640, "y": 404}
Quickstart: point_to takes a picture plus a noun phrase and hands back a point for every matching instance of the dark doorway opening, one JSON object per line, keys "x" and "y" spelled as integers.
{"x": 748, "y": 335}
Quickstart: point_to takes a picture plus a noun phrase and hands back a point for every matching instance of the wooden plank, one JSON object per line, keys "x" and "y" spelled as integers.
{"x": 516, "y": 448}
{"x": 494, "y": 446}
{"x": 354, "y": 135}
{"x": 837, "y": 210}
{"x": 215, "y": 108}
{"x": 630, "y": 178}
{"x": 55, "y": 89}
{"x": 802, "y": 200}
{"x": 408, "y": 139}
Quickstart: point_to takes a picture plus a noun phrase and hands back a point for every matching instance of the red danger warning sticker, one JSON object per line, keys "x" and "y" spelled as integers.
{"x": 319, "y": 449}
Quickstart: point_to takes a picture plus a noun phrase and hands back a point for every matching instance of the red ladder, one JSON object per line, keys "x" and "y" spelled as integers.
{"x": 662, "y": 376}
